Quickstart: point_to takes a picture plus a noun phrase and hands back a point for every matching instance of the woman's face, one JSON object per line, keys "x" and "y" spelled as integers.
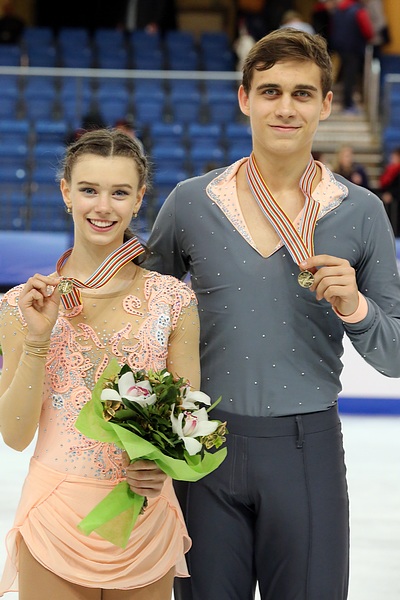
{"x": 103, "y": 195}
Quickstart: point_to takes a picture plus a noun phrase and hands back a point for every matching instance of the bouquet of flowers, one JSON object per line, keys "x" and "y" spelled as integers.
{"x": 155, "y": 416}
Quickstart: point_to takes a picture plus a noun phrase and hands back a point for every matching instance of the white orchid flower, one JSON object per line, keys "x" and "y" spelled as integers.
{"x": 192, "y": 399}
{"x": 189, "y": 426}
{"x": 139, "y": 392}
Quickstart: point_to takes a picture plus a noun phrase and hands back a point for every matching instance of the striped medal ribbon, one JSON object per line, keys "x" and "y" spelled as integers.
{"x": 300, "y": 244}
{"x": 69, "y": 287}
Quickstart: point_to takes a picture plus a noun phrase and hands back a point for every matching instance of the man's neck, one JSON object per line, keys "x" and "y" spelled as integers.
{"x": 281, "y": 174}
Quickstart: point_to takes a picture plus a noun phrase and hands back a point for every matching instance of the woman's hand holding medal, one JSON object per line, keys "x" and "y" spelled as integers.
{"x": 335, "y": 281}
{"x": 39, "y": 302}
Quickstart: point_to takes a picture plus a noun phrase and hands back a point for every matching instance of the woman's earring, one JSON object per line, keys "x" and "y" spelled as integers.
{"x": 134, "y": 215}
{"x": 68, "y": 210}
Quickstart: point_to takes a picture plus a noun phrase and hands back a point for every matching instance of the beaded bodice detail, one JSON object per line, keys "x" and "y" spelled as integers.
{"x": 134, "y": 326}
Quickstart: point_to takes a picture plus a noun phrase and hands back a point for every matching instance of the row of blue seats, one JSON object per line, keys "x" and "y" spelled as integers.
{"x": 18, "y": 176}
{"x": 20, "y": 133}
{"x": 112, "y": 49}
{"x": 182, "y": 101}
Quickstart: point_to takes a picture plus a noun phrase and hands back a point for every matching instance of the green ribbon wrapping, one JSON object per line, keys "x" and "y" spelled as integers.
{"x": 115, "y": 516}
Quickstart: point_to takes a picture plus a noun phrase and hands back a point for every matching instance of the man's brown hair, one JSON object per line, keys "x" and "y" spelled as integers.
{"x": 288, "y": 44}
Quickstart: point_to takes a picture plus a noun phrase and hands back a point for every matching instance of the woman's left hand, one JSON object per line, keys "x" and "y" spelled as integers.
{"x": 145, "y": 478}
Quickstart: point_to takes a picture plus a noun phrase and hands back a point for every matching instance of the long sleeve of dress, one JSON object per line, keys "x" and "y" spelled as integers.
{"x": 21, "y": 382}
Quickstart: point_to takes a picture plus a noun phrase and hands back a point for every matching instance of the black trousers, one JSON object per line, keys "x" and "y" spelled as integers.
{"x": 275, "y": 512}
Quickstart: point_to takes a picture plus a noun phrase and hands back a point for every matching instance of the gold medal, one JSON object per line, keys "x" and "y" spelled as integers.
{"x": 65, "y": 286}
{"x": 305, "y": 279}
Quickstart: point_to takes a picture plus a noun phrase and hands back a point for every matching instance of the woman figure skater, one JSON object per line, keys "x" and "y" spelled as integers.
{"x": 56, "y": 341}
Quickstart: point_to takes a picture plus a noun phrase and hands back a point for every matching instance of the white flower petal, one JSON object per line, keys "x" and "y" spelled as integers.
{"x": 176, "y": 422}
{"x": 142, "y": 400}
{"x": 198, "y": 396}
{"x": 205, "y": 428}
{"x": 192, "y": 445}
{"x": 110, "y": 394}
{"x": 125, "y": 382}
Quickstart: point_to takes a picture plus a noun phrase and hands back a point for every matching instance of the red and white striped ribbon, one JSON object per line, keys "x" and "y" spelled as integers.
{"x": 103, "y": 274}
{"x": 300, "y": 244}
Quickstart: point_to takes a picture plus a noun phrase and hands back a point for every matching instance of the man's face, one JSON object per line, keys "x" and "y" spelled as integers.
{"x": 285, "y": 106}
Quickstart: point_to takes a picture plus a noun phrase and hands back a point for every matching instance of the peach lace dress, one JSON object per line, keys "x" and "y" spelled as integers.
{"x": 144, "y": 325}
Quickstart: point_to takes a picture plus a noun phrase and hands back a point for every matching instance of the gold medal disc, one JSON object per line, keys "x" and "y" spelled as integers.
{"x": 65, "y": 286}
{"x": 305, "y": 279}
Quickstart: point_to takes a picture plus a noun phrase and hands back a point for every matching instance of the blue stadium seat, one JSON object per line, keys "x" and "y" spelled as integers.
{"x": 14, "y": 130}
{"x": 13, "y": 212}
{"x": 113, "y": 104}
{"x": 74, "y": 106}
{"x": 39, "y": 102}
{"x": 183, "y": 86}
{"x": 10, "y": 84}
{"x": 178, "y": 42}
{"x": 168, "y": 156}
{"x": 390, "y": 140}
{"x": 48, "y": 154}
{"x": 10, "y": 55}
{"x": 37, "y": 35}
{"x": 76, "y": 57}
{"x": 112, "y": 58}
{"x": 148, "y": 86}
{"x": 186, "y": 108}
{"x": 214, "y": 42}
{"x": 14, "y": 154}
{"x": 9, "y": 106}
{"x": 107, "y": 37}
{"x": 237, "y": 132}
{"x": 68, "y": 37}
{"x": 47, "y": 212}
{"x": 222, "y": 107}
{"x": 153, "y": 60}
{"x": 141, "y": 40}
{"x": 238, "y": 150}
{"x": 12, "y": 180}
{"x": 204, "y": 158}
{"x": 48, "y": 131}
{"x": 166, "y": 132}
{"x": 185, "y": 61}
{"x": 148, "y": 111}
{"x": 164, "y": 181}
{"x": 218, "y": 62}
{"x": 221, "y": 85}
{"x": 44, "y": 180}
{"x": 204, "y": 133}
{"x": 42, "y": 56}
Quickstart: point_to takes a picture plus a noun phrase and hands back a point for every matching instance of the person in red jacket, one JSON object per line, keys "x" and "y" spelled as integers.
{"x": 389, "y": 183}
{"x": 351, "y": 31}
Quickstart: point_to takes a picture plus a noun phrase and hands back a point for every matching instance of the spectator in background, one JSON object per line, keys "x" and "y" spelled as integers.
{"x": 346, "y": 166}
{"x": 381, "y": 29}
{"x": 292, "y": 18}
{"x": 321, "y": 16}
{"x": 251, "y": 16}
{"x": 242, "y": 44}
{"x": 92, "y": 120}
{"x": 351, "y": 31}
{"x": 389, "y": 189}
{"x": 128, "y": 126}
{"x": 11, "y": 26}
{"x": 262, "y": 16}
{"x": 155, "y": 16}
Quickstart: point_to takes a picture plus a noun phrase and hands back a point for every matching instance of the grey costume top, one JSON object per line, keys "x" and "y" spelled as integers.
{"x": 267, "y": 345}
